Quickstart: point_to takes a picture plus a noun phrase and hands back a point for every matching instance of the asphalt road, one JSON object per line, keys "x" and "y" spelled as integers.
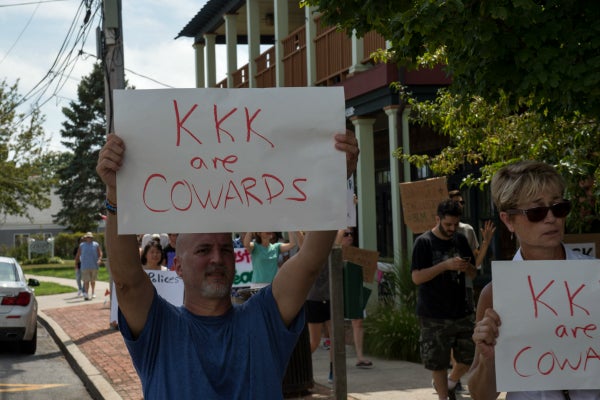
{"x": 45, "y": 375}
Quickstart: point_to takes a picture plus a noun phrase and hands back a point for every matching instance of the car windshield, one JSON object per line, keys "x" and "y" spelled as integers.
{"x": 7, "y": 272}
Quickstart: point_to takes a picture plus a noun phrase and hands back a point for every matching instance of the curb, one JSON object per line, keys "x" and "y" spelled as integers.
{"x": 98, "y": 387}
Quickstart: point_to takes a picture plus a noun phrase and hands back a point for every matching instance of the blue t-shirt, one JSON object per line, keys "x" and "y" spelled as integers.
{"x": 264, "y": 262}
{"x": 240, "y": 355}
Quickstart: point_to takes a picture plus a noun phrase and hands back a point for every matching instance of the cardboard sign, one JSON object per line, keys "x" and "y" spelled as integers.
{"x": 550, "y": 333}
{"x": 222, "y": 160}
{"x": 367, "y": 259}
{"x": 420, "y": 200}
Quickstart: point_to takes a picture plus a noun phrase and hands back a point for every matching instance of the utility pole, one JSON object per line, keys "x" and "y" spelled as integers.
{"x": 338, "y": 333}
{"x": 111, "y": 46}
{"x": 110, "y": 49}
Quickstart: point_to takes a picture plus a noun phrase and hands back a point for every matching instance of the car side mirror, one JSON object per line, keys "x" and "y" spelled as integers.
{"x": 33, "y": 282}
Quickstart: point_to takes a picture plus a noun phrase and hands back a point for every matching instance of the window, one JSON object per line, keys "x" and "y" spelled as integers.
{"x": 20, "y": 239}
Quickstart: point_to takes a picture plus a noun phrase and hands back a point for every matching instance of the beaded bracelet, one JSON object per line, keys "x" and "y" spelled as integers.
{"x": 111, "y": 208}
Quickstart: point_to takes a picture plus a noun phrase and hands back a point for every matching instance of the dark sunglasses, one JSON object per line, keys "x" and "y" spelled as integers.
{"x": 346, "y": 234}
{"x": 537, "y": 214}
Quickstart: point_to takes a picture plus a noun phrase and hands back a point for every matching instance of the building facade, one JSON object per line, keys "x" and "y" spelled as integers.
{"x": 301, "y": 51}
{"x": 15, "y": 230}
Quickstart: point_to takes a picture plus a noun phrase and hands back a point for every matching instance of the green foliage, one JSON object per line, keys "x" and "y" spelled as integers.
{"x": 18, "y": 252}
{"x": 392, "y": 333}
{"x": 65, "y": 270}
{"x": 541, "y": 55}
{"x": 392, "y": 330}
{"x": 64, "y": 246}
{"x": 80, "y": 189}
{"x": 24, "y": 180}
{"x": 525, "y": 82}
{"x": 49, "y": 288}
{"x": 491, "y": 136}
{"x": 66, "y": 243}
{"x": 42, "y": 260}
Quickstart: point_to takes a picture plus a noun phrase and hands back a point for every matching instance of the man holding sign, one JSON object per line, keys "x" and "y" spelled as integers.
{"x": 530, "y": 202}
{"x": 221, "y": 351}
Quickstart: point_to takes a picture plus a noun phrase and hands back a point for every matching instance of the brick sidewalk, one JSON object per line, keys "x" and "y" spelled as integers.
{"x": 88, "y": 326}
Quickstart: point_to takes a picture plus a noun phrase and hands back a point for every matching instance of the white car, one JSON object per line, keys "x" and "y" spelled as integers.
{"x": 18, "y": 306}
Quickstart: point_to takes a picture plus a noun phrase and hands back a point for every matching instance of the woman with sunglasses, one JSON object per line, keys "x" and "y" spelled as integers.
{"x": 529, "y": 198}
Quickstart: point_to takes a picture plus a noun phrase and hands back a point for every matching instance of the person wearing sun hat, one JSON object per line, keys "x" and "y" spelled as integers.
{"x": 90, "y": 257}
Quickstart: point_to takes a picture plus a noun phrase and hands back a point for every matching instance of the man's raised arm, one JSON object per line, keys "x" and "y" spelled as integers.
{"x": 133, "y": 288}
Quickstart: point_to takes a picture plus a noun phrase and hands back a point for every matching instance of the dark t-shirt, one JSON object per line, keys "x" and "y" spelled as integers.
{"x": 444, "y": 296}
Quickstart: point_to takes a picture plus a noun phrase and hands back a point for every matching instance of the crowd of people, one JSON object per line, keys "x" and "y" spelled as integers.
{"x": 458, "y": 331}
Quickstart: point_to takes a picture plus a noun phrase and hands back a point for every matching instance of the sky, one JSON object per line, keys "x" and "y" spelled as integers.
{"x": 33, "y": 32}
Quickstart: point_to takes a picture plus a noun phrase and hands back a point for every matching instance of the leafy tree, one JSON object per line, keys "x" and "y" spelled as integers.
{"x": 543, "y": 55}
{"x": 23, "y": 178}
{"x": 80, "y": 188}
{"x": 491, "y": 135}
{"x": 525, "y": 82}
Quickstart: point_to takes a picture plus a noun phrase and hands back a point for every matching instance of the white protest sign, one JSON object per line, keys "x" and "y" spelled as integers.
{"x": 221, "y": 160}
{"x": 243, "y": 268}
{"x": 170, "y": 286}
{"x": 550, "y": 336}
{"x": 584, "y": 243}
{"x": 589, "y": 249}
{"x": 167, "y": 283}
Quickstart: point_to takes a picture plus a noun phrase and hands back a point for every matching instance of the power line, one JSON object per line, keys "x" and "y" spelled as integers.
{"x": 141, "y": 75}
{"x": 150, "y": 79}
{"x": 29, "y": 3}
{"x": 65, "y": 60}
{"x": 20, "y": 34}
{"x": 64, "y": 63}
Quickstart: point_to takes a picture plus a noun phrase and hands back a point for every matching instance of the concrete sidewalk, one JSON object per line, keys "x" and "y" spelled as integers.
{"x": 97, "y": 353}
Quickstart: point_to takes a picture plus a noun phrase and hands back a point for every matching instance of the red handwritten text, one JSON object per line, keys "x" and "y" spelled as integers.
{"x": 248, "y": 191}
{"x": 562, "y": 331}
{"x": 222, "y": 125}
{"x": 548, "y": 361}
{"x": 536, "y": 298}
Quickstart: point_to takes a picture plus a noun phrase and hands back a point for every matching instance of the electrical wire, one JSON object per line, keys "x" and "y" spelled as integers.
{"x": 68, "y": 55}
{"x": 21, "y": 33}
{"x": 166, "y": 85}
{"x": 29, "y": 3}
{"x": 150, "y": 79}
{"x": 66, "y": 59}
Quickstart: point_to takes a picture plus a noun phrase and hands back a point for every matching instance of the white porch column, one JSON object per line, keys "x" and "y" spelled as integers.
{"x": 392, "y": 113}
{"x": 211, "y": 63}
{"x": 253, "y": 23}
{"x": 199, "y": 53}
{"x": 365, "y": 183}
{"x": 406, "y": 165}
{"x": 311, "y": 54}
{"x": 358, "y": 51}
{"x": 281, "y": 31}
{"x": 231, "y": 43}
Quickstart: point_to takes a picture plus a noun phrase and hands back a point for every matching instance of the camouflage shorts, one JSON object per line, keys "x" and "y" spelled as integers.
{"x": 439, "y": 336}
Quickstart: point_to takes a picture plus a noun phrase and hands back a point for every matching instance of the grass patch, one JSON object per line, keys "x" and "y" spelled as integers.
{"x": 66, "y": 270}
{"x": 48, "y": 288}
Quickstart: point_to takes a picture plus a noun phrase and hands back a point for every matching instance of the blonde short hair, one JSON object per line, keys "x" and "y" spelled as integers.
{"x": 517, "y": 183}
